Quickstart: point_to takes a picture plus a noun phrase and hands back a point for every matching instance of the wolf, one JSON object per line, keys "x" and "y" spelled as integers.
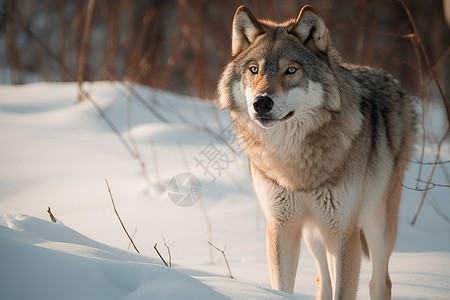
{"x": 327, "y": 145}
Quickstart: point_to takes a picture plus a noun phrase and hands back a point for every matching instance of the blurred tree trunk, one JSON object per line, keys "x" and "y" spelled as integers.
{"x": 12, "y": 42}
{"x": 61, "y": 38}
{"x": 182, "y": 46}
{"x": 84, "y": 46}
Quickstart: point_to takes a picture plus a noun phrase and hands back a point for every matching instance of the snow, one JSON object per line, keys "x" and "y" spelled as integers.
{"x": 56, "y": 153}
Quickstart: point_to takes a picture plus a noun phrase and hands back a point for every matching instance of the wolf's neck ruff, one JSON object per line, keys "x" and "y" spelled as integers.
{"x": 297, "y": 155}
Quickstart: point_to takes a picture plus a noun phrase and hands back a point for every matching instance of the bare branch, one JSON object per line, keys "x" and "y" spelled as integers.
{"x": 120, "y": 220}
{"x": 418, "y": 44}
{"x": 52, "y": 217}
{"x": 434, "y": 184}
{"x": 150, "y": 107}
{"x": 109, "y": 123}
{"x": 158, "y": 184}
{"x": 131, "y": 149}
{"x": 430, "y": 175}
{"x": 441, "y": 162}
{"x": 134, "y": 145}
{"x": 160, "y": 256}
{"x": 224, "y": 256}
{"x": 168, "y": 251}
{"x": 425, "y": 55}
{"x": 134, "y": 233}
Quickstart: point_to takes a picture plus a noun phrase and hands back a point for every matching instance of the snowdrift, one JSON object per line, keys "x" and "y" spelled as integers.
{"x": 42, "y": 260}
{"x": 56, "y": 153}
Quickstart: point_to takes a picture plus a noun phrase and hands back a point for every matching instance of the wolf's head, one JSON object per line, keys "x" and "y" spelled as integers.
{"x": 279, "y": 71}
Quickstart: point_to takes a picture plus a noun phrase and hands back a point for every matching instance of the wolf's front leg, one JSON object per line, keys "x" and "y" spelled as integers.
{"x": 344, "y": 261}
{"x": 283, "y": 249}
{"x": 319, "y": 252}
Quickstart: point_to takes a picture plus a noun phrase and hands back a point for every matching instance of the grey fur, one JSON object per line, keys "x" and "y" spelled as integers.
{"x": 326, "y": 167}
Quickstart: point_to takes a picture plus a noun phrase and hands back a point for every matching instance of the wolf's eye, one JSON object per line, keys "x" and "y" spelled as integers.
{"x": 254, "y": 70}
{"x": 291, "y": 70}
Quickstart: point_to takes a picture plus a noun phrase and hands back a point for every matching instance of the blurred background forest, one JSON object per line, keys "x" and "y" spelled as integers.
{"x": 182, "y": 46}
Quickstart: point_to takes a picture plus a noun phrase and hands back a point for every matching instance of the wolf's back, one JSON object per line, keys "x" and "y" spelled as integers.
{"x": 388, "y": 111}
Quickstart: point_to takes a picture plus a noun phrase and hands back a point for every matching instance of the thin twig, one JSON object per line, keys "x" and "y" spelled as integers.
{"x": 224, "y": 256}
{"x": 120, "y": 220}
{"x": 168, "y": 251}
{"x": 158, "y": 184}
{"x": 52, "y": 217}
{"x": 150, "y": 107}
{"x": 417, "y": 189}
{"x": 434, "y": 184}
{"x": 134, "y": 233}
{"x": 423, "y": 140}
{"x": 160, "y": 256}
{"x": 109, "y": 123}
{"x": 133, "y": 142}
{"x": 442, "y": 162}
{"x": 131, "y": 149}
{"x": 418, "y": 41}
{"x": 173, "y": 112}
{"x": 134, "y": 153}
{"x": 431, "y": 174}
{"x": 425, "y": 55}
{"x": 82, "y": 92}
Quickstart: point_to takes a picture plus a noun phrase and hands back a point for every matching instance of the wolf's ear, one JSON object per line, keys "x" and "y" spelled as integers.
{"x": 246, "y": 29}
{"x": 311, "y": 30}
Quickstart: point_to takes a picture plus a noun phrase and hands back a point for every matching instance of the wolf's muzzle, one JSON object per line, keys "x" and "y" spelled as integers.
{"x": 262, "y": 104}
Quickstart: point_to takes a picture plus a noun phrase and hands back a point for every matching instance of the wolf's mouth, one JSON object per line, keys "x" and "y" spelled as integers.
{"x": 267, "y": 121}
{"x": 288, "y": 116}
{"x": 271, "y": 119}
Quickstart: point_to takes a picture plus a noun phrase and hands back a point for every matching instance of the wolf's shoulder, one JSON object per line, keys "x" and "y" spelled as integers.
{"x": 375, "y": 83}
{"x": 388, "y": 111}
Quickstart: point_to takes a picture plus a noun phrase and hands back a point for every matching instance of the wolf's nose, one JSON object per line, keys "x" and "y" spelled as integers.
{"x": 263, "y": 104}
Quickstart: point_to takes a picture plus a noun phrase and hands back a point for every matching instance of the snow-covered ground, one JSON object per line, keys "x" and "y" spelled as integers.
{"x": 56, "y": 153}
